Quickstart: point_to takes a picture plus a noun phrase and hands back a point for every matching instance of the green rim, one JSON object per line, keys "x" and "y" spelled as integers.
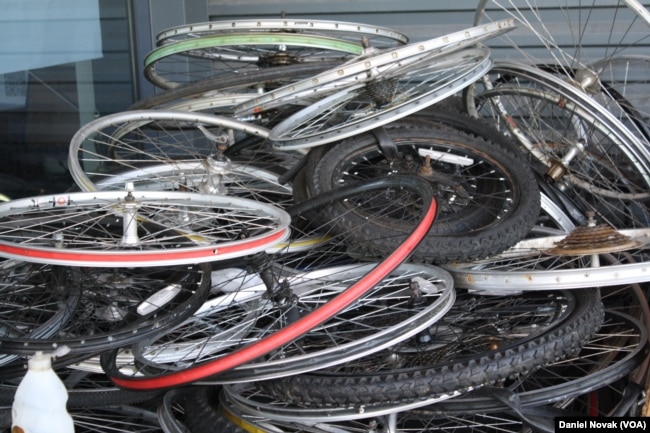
{"x": 253, "y": 39}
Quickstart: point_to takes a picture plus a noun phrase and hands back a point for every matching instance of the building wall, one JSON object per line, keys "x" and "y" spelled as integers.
{"x": 418, "y": 19}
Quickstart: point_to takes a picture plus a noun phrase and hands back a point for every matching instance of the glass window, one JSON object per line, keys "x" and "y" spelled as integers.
{"x": 62, "y": 64}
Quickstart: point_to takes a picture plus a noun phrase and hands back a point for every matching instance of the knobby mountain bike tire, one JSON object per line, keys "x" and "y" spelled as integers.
{"x": 487, "y": 195}
{"x": 441, "y": 370}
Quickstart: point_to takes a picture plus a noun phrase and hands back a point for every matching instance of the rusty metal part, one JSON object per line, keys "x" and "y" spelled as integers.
{"x": 592, "y": 239}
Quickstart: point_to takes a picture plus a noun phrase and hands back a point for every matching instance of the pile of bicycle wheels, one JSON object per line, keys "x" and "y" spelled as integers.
{"x": 319, "y": 226}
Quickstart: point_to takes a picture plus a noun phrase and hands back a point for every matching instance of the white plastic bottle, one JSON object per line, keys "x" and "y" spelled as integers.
{"x": 40, "y": 401}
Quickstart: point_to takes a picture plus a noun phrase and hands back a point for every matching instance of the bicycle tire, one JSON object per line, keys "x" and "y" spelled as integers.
{"x": 449, "y": 112}
{"x": 553, "y": 384}
{"x": 250, "y": 401}
{"x": 89, "y": 399}
{"x": 337, "y": 388}
{"x": 474, "y": 227}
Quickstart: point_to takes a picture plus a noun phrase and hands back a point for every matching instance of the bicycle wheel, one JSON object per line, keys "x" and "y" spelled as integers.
{"x": 566, "y": 261}
{"x": 209, "y": 176}
{"x": 116, "y": 418}
{"x": 37, "y": 301}
{"x": 373, "y": 66}
{"x": 569, "y": 384}
{"x": 218, "y": 94}
{"x": 135, "y": 140}
{"x": 254, "y": 404}
{"x": 162, "y": 150}
{"x": 377, "y": 36}
{"x": 117, "y": 307}
{"x": 587, "y": 154}
{"x": 625, "y": 79}
{"x": 488, "y": 196}
{"x": 390, "y": 96}
{"x": 570, "y": 34}
{"x": 408, "y": 420}
{"x": 126, "y": 229}
{"x": 464, "y": 351}
{"x": 578, "y": 141}
{"x": 286, "y": 324}
{"x": 451, "y": 112}
{"x": 408, "y": 300}
{"x": 189, "y": 60}
{"x": 612, "y": 353}
{"x": 574, "y": 39}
